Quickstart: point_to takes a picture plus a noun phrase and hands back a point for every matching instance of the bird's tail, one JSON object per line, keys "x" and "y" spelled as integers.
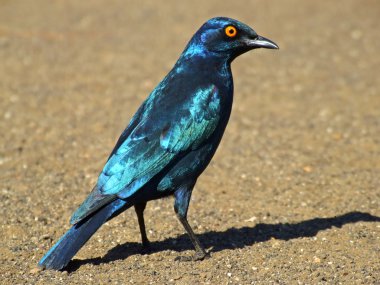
{"x": 70, "y": 243}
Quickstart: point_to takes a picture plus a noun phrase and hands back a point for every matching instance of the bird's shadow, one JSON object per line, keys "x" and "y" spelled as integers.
{"x": 231, "y": 238}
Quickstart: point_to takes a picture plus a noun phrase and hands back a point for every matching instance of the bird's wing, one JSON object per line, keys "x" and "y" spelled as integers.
{"x": 149, "y": 148}
{"x": 198, "y": 121}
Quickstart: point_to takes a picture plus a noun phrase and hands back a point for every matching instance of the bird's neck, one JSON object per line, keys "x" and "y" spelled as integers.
{"x": 207, "y": 70}
{"x": 204, "y": 63}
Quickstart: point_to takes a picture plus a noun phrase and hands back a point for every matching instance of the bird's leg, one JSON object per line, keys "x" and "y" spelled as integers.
{"x": 181, "y": 205}
{"x": 139, "y": 208}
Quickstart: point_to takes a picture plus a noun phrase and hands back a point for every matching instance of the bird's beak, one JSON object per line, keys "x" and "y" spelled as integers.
{"x": 261, "y": 42}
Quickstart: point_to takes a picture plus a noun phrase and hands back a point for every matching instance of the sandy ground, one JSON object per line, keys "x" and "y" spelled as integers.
{"x": 292, "y": 195}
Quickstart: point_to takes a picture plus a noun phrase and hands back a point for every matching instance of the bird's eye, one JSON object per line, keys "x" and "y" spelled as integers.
{"x": 230, "y": 31}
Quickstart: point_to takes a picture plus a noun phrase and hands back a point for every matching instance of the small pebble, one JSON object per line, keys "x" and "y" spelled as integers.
{"x": 36, "y": 270}
{"x": 307, "y": 169}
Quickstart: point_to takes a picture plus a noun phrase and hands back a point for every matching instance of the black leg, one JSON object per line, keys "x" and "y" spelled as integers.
{"x": 181, "y": 205}
{"x": 139, "y": 208}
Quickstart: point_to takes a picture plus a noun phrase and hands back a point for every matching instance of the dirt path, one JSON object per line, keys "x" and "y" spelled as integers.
{"x": 293, "y": 193}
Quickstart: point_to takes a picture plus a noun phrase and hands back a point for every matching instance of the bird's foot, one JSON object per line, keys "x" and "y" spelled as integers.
{"x": 198, "y": 256}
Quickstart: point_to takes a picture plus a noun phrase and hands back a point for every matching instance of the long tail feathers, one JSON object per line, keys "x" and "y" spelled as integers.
{"x": 70, "y": 243}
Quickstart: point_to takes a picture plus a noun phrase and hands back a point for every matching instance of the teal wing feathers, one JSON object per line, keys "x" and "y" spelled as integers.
{"x": 150, "y": 148}
{"x": 150, "y": 143}
{"x": 201, "y": 116}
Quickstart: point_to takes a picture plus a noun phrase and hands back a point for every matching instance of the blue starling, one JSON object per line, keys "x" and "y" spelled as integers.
{"x": 169, "y": 141}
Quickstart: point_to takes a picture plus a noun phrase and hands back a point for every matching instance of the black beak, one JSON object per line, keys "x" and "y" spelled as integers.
{"x": 261, "y": 42}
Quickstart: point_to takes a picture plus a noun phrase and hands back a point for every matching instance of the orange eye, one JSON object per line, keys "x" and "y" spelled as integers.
{"x": 230, "y": 31}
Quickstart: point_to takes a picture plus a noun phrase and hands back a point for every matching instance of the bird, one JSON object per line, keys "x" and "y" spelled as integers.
{"x": 169, "y": 141}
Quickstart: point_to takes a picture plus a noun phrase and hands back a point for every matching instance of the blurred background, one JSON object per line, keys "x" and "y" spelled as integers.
{"x": 293, "y": 191}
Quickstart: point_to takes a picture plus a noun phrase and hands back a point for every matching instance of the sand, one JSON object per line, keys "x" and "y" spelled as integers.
{"x": 292, "y": 195}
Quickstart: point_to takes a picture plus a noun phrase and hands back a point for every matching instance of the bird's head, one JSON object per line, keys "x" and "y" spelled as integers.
{"x": 228, "y": 38}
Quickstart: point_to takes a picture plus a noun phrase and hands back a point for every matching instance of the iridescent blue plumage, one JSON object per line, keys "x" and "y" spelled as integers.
{"x": 169, "y": 141}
